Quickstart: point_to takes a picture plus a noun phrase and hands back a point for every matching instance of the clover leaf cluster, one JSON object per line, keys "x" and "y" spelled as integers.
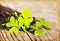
{"x": 40, "y": 24}
{"x": 23, "y": 21}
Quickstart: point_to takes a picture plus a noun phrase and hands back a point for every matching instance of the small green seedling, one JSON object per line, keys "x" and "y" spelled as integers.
{"x": 23, "y": 21}
{"x": 14, "y": 24}
{"x": 26, "y": 20}
{"x": 44, "y": 23}
{"x": 38, "y": 28}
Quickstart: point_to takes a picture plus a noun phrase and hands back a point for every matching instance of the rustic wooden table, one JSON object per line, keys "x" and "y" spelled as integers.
{"x": 47, "y": 9}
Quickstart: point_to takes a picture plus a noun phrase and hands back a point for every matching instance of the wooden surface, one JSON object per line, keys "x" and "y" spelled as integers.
{"x": 29, "y": 0}
{"x": 52, "y": 35}
{"x": 48, "y": 10}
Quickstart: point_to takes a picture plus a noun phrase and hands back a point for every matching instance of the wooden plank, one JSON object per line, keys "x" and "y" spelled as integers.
{"x": 50, "y": 38}
{"x": 56, "y": 33}
{"x": 13, "y": 36}
{"x": 36, "y": 38}
{"x": 1, "y": 37}
{"x": 46, "y": 38}
{"x": 19, "y": 37}
{"x": 25, "y": 36}
{"x": 53, "y": 35}
{"x": 4, "y": 34}
{"x": 41, "y": 38}
{"x": 31, "y": 36}
{"x": 9, "y": 36}
{"x": 56, "y": 27}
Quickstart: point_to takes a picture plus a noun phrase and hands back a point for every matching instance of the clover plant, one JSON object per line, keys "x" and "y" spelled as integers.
{"x": 39, "y": 25}
{"x": 23, "y": 21}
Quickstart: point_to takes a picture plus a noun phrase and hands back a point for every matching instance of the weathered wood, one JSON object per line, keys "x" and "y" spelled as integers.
{"x": 19, "y": 37}
{"x": 1, "y": 37}
{"x": 8, "y": 35}
{"x": 44, "y": 37}
{"x": 52, "y": 35}
{"x": 31, "y": 36}
{"x": 4, "y": 35}
{"x": 36, "y": 38}
{"x": 25, "y": 36}
{"x": 13, "y": 36}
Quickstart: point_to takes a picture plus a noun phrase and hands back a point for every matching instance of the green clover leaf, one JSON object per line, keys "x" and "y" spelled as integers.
{"x": 38, "y": 25}
{"x": 47, "y": 24}
{"x": 8, "y": 24}
{"x": 14, "y": 29}
{"x": 16, "y": 23}
{"x": 39, "y": 32}
{"x": 24, "y": 21}
{"x": 11, "y": 23}
{"x": 32, "y": 27}
{"x": 28, "y": 21}
{"x": 44, "y": 23}
{"x": 12, "y": 19}
{"x": 42, "y": 20}
{"x": 26, "y": 13}
{"x": 21, "y": 21}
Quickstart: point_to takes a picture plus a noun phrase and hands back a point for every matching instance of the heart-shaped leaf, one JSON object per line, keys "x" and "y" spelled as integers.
{"x": 16, "y": 23}
{"x": 28, "y": 21}
{"x": 12, "y": 21}
{"x": 39, "y": 32}
{"x": 26, "y": 13}
{"x": 14, "y": 29}
{"x": 47, "y": 24}
{"x": 8, "y": 24}
{"x": 21, "y": 21}
{"x": 42, "y": 20}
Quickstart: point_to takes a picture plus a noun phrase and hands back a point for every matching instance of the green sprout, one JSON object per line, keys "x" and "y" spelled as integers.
{"x": 23, "y": 21}
{"x": 38, "y": 28}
